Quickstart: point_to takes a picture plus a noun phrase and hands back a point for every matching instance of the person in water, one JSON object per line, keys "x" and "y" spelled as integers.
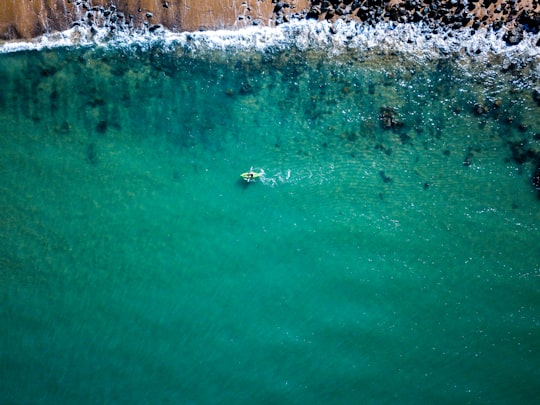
{"x": 250, "y": 176}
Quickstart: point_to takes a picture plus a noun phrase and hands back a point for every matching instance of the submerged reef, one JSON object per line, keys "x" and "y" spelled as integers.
{"x": 27, "y": 19}
{"x": 495, "y": 33}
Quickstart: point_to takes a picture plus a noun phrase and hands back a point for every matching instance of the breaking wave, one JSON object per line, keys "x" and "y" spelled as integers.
{"x": 415, "y": 41}
{"x": 303, "y": 34}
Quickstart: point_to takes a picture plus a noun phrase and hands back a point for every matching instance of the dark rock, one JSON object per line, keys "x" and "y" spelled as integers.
{"x": 383, "y": 148}
{"x": 387, "y": 118}
{"x": 521, "y": 152}
{"x": 514, "y": 36}
{"x": 409, "y": 5}
{"x": 246, "y": 89}
{"x": 536, "y": 178}
{"x": 384, "y": 177}
{"x": 393, "y": 15}
{"x": 386, "y": 122}
{"x": 467, "y": 160}
{"x": 497, "y": 25}
{"x": 313, "y": 13}
{"x": 497, "y": 103}
{"x": 530, "y": 21}
{"x": 48, "y": 71}
{"x": 536, "y": 95}
{"x": 101, "y": 127}
{"x": 96, "y": 102}
{"x": 405, "y": 139}
{"x": 352, "y": 136}
{"x": 480, "y": 109}
{"x": 340, "y": 11}
{"x": 417, "y": 16}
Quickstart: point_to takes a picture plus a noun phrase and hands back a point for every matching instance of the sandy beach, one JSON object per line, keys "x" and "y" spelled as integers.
{"x": 27, "y": 19}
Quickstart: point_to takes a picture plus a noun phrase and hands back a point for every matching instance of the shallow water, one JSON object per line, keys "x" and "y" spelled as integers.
{"x": 369, "y": 264}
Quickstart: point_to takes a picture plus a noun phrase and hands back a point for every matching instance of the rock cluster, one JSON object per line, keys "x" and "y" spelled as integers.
{"x": 26, "y": 19}
{"x": 516, "y": 15}
{"x": 110, "y": 17}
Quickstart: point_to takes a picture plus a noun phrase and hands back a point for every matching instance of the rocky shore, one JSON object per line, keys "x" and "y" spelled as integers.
{"x": 31, "y": 18}
{"x": 516, "y": 15}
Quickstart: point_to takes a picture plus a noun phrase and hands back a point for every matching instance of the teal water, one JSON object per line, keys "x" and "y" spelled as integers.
{"x": 369, "y": 265}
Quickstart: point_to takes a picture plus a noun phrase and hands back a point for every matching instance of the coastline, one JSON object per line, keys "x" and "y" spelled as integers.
{"x": 509, "y": 51}
{"x": 25, "y": 20}
{"x": 389, "y": 252}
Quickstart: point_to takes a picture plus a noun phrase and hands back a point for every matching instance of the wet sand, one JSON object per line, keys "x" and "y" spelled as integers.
{"x": 27, "y": 19}
{"x": 24, "y": 19}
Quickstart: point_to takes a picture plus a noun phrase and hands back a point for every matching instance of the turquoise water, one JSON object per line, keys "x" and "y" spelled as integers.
{"x": 389, "y": 255}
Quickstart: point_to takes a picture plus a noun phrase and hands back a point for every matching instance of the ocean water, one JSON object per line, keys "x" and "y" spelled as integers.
{"x": 389, "y": 253}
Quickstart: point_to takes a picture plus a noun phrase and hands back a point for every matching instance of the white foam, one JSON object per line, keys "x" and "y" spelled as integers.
{"x": 415, "y": 40}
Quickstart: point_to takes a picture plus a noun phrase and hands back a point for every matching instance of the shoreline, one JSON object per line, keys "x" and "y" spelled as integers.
{"x": 416, "y": 39}
{"x": 23, "y": 20}
{"x": 486, "y": 50}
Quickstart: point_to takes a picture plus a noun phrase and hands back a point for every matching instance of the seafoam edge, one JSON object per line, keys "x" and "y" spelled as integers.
{"x": 413, "y": 39}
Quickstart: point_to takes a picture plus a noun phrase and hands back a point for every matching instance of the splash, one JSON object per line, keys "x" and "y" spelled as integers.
{"x": 338, "y": 37}
{"x": 339, "y": 41}
{"x": 303, "y": 175}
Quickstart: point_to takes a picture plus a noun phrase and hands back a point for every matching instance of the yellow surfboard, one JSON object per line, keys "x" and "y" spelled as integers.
{"x": 250, "y": 176}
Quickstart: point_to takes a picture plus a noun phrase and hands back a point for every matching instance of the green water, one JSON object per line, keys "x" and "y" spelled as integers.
{"x": 370, "y": 265}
